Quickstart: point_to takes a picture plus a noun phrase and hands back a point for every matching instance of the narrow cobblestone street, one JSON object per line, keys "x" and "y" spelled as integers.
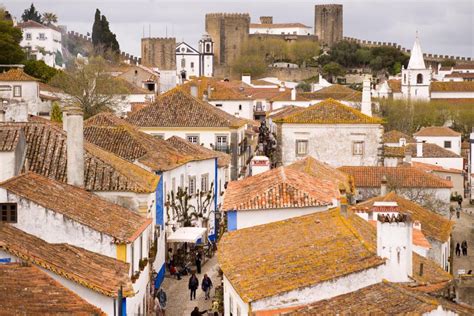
{"x": 177, "y": 291}
{"x": 463, "y": 230}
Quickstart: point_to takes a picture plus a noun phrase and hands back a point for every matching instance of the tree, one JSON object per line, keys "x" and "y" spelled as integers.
{"x": 103, "y": 39}
{"x": 56, "y": 115}
{"x": 10, "y": 38}
{"x": 302, "y": 52}
{"x": 304, "y": 86}
{"x": 90, "y": 86}
{"x": 448, "y": 63}
{"x": 31, "y": 14}
{"x": 250, "y": 64}
{"x": 49, "y": 18}
{"x": 333, "y": 70}
{"x": 38, "y": 69}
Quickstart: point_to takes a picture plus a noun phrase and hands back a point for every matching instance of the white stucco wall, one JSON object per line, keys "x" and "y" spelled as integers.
{"x": 332, "y": 143}
{"x": 51, "y": 43}
{"x": 206, "y": 136}
{"x": 232, "y": 301}
{"x": 238, "y": 108}
{"x": 188, "y": 59}
{"x": 29, "y": 91}
{"x": 455, "y": 163}
{"x": 439, "y": 140}
{"x": 452, "y": 95}
{"x": 7, "y": 161}
{"x": 280, "y": 30}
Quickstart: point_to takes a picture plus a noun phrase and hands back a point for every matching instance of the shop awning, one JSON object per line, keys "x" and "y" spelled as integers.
{"x": 187, "y": 234}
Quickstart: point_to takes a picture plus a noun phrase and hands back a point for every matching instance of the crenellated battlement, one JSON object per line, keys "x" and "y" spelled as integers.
{"x": 399, "y": 218}
{"x": 228, "y": 15}
{"x": 164, "y": 39}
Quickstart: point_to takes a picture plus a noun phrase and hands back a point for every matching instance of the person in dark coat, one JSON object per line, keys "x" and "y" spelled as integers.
{"x": 196, "y": 312}
{"x": 193, "y": 285}
{"x": 198, "y": 262}
{"x": 458, "y": 250}
{"x": 464, "y": 248}
{"x": 206, "y": 286}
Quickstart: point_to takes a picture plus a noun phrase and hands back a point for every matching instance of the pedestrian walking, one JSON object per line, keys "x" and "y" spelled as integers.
{"x": 193, "y": 285}
{"x": 458, "y": 250}
{"x": 198, "y": 262}
{"x": 464, "y": 248}
{"x": 206, "y": 286}
{"x": 160, "y": 302}
{"x": 196, "y": 312}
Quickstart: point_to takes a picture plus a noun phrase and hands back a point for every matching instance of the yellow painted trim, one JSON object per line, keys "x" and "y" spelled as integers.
{"x": 122, "y": 252}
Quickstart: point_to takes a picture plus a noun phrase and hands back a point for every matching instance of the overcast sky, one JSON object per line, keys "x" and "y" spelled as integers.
{"x": 445, "y": 26}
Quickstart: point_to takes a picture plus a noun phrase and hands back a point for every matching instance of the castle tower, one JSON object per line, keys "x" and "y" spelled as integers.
{"x": 328, "y": 24}
{"x": 416, "y": 78}
{"x": 206, "y": 50}
{"x": 159, "y": 52}
{"x": 229, "y": 31}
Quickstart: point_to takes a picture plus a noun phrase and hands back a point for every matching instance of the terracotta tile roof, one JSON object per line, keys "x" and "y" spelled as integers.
{"x": 26, "y": 290}
{"x": 383, "y": 298}
{"x": 419, "y": 239}
{"x": 48, "y": 97}
{"x": 323, "y": 171}
{"x": 436, "y": 131}
{"x": 79, "y": 205}
{"x": 34, "y": 24}
{"x": 433, "y": 274}
{"x": 395, "y": 85}
{"x": 402, "y": 177}
{"x": 176, "y": 108}
{"x": 198, "y": 152}
{"x": 258, "y": 267}
{"x": 46, "y": 87}
{"x": 279, "y": 188}
{"x": 219, "y": 90}
{"x": 394, "y": 137}
{"x": 263, "y": 93}
{"x": 459, "y": 67}
{"x": 125, "y": 140}
{"x": 452, "y": 86}
{"x": 94, "y": 271}
{"x": 336, "y": 92}
{"x": 329, "y": 111}
{"x": 283, "y": 112}
{"x": 103, "y": 171}
{"x": 9, "y": 138}
{"x": 464, "y": 75}
{"x": 277, "y": 25}
{"x": 432, "y": 225}
{"x": 430, "y": 168}
{"x": 16, "y": 74}
{"x": 131, "y": 88}
{"x": 286, "y": 96}
{"x": 432, "y": 151}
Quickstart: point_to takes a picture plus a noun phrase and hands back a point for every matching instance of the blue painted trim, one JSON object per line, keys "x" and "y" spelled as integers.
{"x": 160, "y": 277}
{"x": 124, "y": 306}
{"x": 231, "y": 220}
{"x": 160, "y": 202}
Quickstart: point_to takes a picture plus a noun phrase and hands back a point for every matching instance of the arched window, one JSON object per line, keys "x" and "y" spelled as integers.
{"x": 419, "y": 78}
{"x": 405, "y": 78}
{"x": 183, "y": 63}
{"x": 208, "y": 48}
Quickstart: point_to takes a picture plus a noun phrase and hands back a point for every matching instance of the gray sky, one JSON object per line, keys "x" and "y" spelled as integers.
{"x": 445, "y": 26}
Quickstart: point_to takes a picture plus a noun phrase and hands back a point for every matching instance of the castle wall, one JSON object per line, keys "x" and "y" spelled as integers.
{"x": 328, "y": 23}
{"x": 159, "y": 52}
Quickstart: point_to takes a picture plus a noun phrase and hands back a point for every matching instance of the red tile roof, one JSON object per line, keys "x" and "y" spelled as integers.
{"x": 89, "y": 269}
{"x": 402, "y": 177}
{"x": 394, "y": 136}
{"x": 9, "y": 138}
{"x": 26, "y": 290}
{"x": 336, "y": 92}
{"x": 79, "y": 205}
{"x": 16, "y": 74}
{"x": 432, "y": 151}
{"x": 436, "y": 131}
{"x": 452, "y": 86}
{"x": 279, "y": 188}
{"x": 430, "y": 168}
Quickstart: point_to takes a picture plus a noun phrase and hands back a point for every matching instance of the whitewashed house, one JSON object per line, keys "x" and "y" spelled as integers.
{"x": 444, "y": 137}
{"x": 266, "y": 26}
{"x": 195, "y": 63}
{"x": 42, "y": 42}
{"x": 330, "y": 132}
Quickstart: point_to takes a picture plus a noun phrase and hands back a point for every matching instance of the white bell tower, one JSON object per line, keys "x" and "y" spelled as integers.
{"x": 416, "y": 78}
{"x": 206, "y": 49}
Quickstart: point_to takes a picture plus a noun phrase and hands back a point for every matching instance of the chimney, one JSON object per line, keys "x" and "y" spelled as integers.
{"x": 293, "y": 94}
{"x": 65, "y": 118}
{"x": 366, "y": 106}
{"x": 408, "y": 156}
{"x": 75, "y": 146}
{"x": 266, "y": 19}
{"x": 281, "y": 87}
{"x": 383, "y": 186}
{"x": 417, "y": 225}
{"x": 343, "y": 205}
{"x": 419, "y": 149}
{"x": 394, "y": 242}
{"x": 246, "y": 78}
{"x": 194, "y": 90}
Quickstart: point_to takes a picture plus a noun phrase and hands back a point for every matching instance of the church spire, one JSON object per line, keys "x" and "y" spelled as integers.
{"x": 416, "y": 58}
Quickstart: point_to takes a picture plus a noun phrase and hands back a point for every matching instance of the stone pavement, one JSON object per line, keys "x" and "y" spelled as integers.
{"x": 464, "y": 230}
{"x": 177, "y": 291}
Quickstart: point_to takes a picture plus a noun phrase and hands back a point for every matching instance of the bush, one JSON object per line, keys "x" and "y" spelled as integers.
{"x": 38, "y": 69}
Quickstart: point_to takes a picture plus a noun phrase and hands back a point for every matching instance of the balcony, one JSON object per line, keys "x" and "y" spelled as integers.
{"x": 222, "y": 148}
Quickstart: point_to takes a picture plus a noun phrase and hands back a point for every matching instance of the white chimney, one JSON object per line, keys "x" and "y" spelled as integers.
{"x": 259, "y": 164}
{"x": 419, "y": 149}
{"x": 408, "y": 156}
{"x": 394, "y": 242}
{"x": 366, "y": 106}
{"x": 65, "y": 118}
{"x": 75, "y": 146}
{"x": 246, "y": 78}
{"x": 417, "y": 225}
{"x": 194, "y": 90}
{"x": 383, "y": 186}
{"x": 293, "y": 94}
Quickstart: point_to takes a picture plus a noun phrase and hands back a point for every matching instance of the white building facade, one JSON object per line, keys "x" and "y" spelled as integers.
{"x": 195, "y": 63}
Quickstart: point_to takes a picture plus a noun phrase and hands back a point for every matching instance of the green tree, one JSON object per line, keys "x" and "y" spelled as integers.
{"x": 56, "y": 115}
{"x": 31, "y": 14}
{"x": 10, "y": 38}
{"x": 333, "y": 70}
{"x": 104, "y": 41}
{"x": 38, "y": 69}
{"x": 254, "y": 65}
{"x": 363, "y": 56}
{"x": 49, "y": 18}
{"x": 448, "y": 63}
{"x": 303, "y": 52}
{"x": 304, "y": 86}
{"x": 90, "y": 86}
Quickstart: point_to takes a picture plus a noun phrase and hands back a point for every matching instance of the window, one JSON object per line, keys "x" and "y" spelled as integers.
{"x": 221, "y": 143}
{"x": 8, "y": 213}
{"x": 219, "y": 105}
{"x": 192, "y": 65}
{"x": 447, "y": 144}
{"x": 41, "y": 36}
{"x": 183, "y": 63}
{"x": 301, "y": 147}
{"x": 240, "y": 107}
{"x": 419, "y": 78}
{"x": 205, "y": 182}
{"x": 17, "y": 91}
{"x": 193, "y": 139}
{"x": 192, "y": 185}
{"x": 28, "y": 36}
{"x": 404, "y": 78}
{"x": 358, "y": 148}
{"x": 208, "y": 48}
